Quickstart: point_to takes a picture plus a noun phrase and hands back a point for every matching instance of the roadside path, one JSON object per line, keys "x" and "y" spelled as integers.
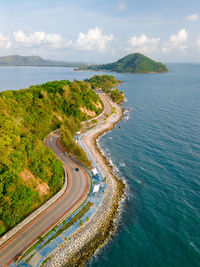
{"x": 75, "y": 194}
{"x": 78, "y": 187}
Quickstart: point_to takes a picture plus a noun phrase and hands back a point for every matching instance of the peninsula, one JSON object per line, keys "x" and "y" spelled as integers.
{"x": 30, "y": 172}
{"x": 38, "y": 173}
{"x": 132, "y": 63}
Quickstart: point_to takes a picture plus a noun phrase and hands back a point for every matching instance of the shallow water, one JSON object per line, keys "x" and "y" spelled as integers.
{"x": 157, "y": 151}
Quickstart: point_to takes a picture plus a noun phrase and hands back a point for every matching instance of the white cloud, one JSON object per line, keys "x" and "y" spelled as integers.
{"x": 198, "y": 43}
{"x": 121, "y": 6}
{"x": 170, "y": 47}
{"x": 142, "y": 44}
{"x": 93, "y": 40}
{"x": 38, "y": 37}
{"x": 176, "y": 41}
{"x": 181, "y": 37}
{"x": 192, "y": 17}
{"x": 4, "y": 41}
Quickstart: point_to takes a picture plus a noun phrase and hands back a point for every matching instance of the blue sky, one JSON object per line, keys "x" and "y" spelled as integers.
{"x": 101, "y": 31}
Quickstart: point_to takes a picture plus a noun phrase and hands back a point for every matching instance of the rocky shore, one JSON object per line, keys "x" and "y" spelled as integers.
{"x": 94, "y": 233}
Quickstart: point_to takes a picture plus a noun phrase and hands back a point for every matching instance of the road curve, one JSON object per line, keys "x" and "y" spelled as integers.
{"x": 107, "y": 105}
{"x": 78, "y": 187}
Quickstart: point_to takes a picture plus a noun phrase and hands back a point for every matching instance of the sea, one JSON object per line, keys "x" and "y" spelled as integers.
{"x": 156, "y": 150}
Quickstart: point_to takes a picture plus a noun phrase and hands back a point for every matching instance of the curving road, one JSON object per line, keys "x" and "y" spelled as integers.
{"x": 76, "y": 192}
{"x": 78, "y": 187}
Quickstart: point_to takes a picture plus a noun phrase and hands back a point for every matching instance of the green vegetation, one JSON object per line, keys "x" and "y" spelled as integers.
{"x": 35, "y": 61}
{"x": 77, "y": 217}
{"x": 30, "y": 173}
{"x": 117, "y": 96}
{"x": 74, "y": 148}
{"x": 132, "y": 63}
{"x": 104, "y": 82}
{"x": 113, "y": 110}
{"x": 64, "y": 227}
{"x": 30, "y": 249}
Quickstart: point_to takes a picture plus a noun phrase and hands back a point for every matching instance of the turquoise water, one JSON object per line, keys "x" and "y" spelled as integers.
{"x": 157, "y": 152}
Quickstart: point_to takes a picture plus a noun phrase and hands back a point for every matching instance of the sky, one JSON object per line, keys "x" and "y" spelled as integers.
{"x": 101, "y": 31}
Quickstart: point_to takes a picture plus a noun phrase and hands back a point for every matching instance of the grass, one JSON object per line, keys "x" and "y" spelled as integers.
{"x": 113, "y": 110}
{"x": 30, "y": 258}
{"x": 48, "y": 258}
{"x": 30, "y": 249}
{"x": 40, "y": 239}
{"x": 71, "y": 222}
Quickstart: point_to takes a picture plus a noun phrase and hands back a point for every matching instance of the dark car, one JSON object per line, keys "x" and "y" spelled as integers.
{"x": 18, "y": 256}
{"x": 77, "y": 169}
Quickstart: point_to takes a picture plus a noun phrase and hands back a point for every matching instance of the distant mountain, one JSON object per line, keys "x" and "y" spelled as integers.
{"x": 132, "y": 63}
{"x": 36, "y": 61}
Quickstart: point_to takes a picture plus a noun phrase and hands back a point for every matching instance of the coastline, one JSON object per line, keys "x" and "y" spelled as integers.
{"x": 88, "y": 239}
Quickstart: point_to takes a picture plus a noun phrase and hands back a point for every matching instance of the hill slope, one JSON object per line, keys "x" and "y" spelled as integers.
{"x": 17, "y": 60}
{"x": 30, "y": 173}
{"x": 132, "y": 63}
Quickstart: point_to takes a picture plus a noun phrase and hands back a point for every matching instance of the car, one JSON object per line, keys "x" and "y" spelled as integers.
{"x": 77, "y": 169}
{"x": 18, "y": 256}
{"x": 66, "y": 154}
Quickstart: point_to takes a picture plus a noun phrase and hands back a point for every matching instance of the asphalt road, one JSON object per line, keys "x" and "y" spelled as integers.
{"x": 77, "y": 190}
{"x": 73, "y": 196}
{"x": 107, "y": 106}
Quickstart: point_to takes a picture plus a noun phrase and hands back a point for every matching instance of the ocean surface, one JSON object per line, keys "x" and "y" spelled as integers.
{"x": 157, "y": 153}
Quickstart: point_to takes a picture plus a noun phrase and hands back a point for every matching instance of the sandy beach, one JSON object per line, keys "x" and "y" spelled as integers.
{"x": 94, "y": 233}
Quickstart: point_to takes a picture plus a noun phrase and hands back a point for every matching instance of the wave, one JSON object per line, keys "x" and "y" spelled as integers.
{"x": 138, "y": 181}
{"x": 126, "y": 114}
{"x": 193, "y": 245}
{"x": 122, "y": 164}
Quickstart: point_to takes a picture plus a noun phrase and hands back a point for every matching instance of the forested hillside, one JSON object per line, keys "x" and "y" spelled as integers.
{"x": 132, "y": 63}
{"x": 103, "y": 82}
{"x": 16, "y": 60}
{"x": 30, "y": 172}
{"x": 106, "y": 84}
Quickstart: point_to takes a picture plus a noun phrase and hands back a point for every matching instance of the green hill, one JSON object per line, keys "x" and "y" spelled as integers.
{"x": 133, "y": 63}
{"x": 30, "y": 173}
{"x": 17, "y": 60}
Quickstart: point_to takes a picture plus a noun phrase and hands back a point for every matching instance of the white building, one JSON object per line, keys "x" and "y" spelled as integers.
{"x": 96, "y": 188}
{"x": 94, "y": 171}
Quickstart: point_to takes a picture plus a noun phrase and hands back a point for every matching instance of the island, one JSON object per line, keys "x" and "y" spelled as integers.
{"x": 132, "y": 63}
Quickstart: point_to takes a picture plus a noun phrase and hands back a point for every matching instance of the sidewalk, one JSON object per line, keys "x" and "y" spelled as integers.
{"x": 41, "y": 253}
